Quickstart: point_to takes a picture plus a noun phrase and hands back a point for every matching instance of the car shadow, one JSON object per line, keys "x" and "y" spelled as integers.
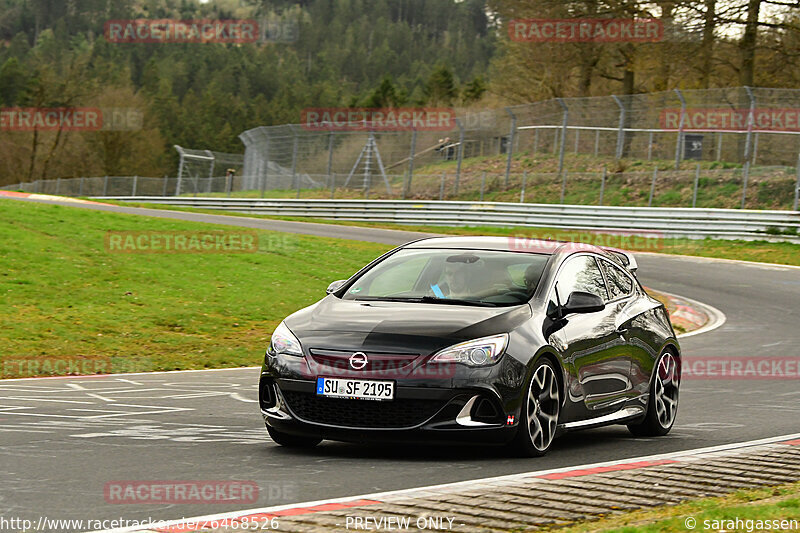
{"x": 584, "y": 442}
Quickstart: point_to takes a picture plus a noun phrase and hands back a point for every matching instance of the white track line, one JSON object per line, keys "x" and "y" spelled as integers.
{"x": 722, "y": 260}
{"x": 102, "y": 377}
{"x": 716, "y": 318}
{"x": 686, "y": 454}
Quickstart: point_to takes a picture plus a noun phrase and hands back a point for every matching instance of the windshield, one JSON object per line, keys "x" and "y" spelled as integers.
{"x": 468, "y": 277}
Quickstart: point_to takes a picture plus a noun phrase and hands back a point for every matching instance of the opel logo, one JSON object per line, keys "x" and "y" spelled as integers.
{"x": 358, "y": 360}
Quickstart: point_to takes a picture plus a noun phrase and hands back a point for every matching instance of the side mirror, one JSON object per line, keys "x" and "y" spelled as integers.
{"x": 583, "y": 302}
{"x": 335, "y": 286}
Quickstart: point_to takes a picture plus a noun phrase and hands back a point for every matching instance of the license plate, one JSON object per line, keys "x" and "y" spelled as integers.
{"x": 356, "y": 389}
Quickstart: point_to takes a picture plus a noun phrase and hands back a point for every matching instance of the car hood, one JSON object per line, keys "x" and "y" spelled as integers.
{"x": 400, "y": 327}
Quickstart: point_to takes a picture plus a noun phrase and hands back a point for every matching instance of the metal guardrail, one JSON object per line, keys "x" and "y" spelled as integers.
{"x": 645, "y": 221}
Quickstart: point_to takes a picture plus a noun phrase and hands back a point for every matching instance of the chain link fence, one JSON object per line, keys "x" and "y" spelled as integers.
{"x": 617, "y": 150}
{"x": 765, "y": 188}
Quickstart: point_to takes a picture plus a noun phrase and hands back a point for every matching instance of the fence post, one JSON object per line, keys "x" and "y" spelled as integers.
{"x": 696, "y": 183}
{"x": 441, "y": 187}
{"x": 748, "y": 141}
{"x": 621, "y": 127}
{"x": 603, "y": 184}
{"x": 105, "y": 187}
{"x": 522, "y": 193}
{"x": 265, "y": 175}
{"x": 330, "y": 152}
{"x": 411, "y": 159}
{"x": 180, "y": 170}
{"x": 483, "y": 184}
{"x": 719, "y": 146}
{"x": 564, "y": 122}
{"x": 577, "y": 139}
{"x": 596, "y": 142}
{"x": 135, "y": 185}
{"x": 650, "y": 147}
{"x": 211, "y": 169}
{"x": 653, "y": 187}
{"x": 755, "y": 147}
{"x": 166, "y": 184}
{"x": 679, "y": 142}
{"x": 535, "y": 139}
{"x": 295, "y": 177}
{"x": 563, "y": 186}
{"x": 58, "y": 185}
{"x": 460, "y": 153}
{"x": 80, "y": 188}
{"x": 333, "y": 185}
{"x": 510, "y": 144}
{"x": 797, "y": 186}
{"x": 744, "y": 181}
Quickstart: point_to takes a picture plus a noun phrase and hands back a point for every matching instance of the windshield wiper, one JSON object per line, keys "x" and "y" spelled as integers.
{"x": 428, "y": 300}
{"x": 456, "y": 301}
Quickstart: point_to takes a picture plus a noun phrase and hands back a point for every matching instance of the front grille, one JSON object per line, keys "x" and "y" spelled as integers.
{"x": 376, "y": 362}
{"x": 361, "y": 413}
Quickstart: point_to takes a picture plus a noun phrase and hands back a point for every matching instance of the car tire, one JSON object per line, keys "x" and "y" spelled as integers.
{"x": 662, "y": 406}
{"x": 540, "y": 411}
{"x": 292, "y": 441}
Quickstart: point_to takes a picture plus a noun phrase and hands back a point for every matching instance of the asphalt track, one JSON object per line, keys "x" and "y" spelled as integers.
{"x": 62, "y": 440}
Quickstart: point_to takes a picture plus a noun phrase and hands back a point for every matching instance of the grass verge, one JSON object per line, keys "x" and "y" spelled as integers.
{"x": 66, "y": 298}
{"x": 713, "y": 514}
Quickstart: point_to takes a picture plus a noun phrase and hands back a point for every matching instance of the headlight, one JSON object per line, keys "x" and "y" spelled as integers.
{"x": 480, "y": 352}
{"x": 284, "y": 342}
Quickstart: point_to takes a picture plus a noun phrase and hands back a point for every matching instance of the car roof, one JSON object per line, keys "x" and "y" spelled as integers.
{"x": 511, "y": 243}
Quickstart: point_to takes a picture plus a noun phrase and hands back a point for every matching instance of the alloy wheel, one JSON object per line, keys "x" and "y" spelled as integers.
{"x": 544, "y": 404}
{"x": 666, "y": 390}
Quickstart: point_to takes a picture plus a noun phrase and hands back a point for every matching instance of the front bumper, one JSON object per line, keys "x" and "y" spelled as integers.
{"x": 417, "y": 414}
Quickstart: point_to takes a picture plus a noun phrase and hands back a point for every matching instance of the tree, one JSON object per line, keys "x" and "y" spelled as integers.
{"x": 474, "y": 90}
{"x": 440, "y": 88}
{"x": 386, "y": 95}
{"x": 12, "y": 82}
{"x": 747, "y": 46}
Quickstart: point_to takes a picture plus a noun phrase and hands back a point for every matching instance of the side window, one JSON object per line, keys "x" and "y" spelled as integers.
{"x": 619, "y": 285}
{"x": 581, "y": 274}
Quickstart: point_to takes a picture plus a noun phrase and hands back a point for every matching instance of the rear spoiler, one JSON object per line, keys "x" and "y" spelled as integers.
{"x": 626, "y": 258}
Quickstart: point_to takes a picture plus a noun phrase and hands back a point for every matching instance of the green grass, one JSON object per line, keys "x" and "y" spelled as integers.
{"x": 773, "y": 503}
{"x": 65, "y": 297}
{"x": 784, "y": 253}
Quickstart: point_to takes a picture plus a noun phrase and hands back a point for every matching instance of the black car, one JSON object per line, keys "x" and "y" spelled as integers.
{"x": 475, "y": 339}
